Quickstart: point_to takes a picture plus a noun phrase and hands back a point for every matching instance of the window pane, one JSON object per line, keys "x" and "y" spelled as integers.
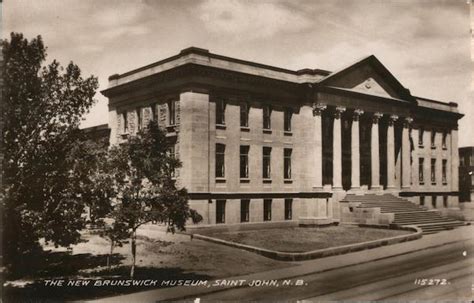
{"x": 420, "y": 136}
{"x": 420, "y": 170}
{"x": 433, "y": 170}
{"x": 244, "y": 115}
{"x": 445, "y": 162}
{"x": 288, "y": 209}
{"x": 266, "y": 162}
{"x": 220, "y": 160}
{"x": 266, "y": 117}
{"x": 220, "y": 211}
{"x": 287, "y": 163}
{"x": 220, "y": 112}
{"x": 244, "y": 210}
{"x": 244, "y": 161}
{"x": 139, "y": 118}
{"x": 287, "y": 119}
{"x": 125, "y": 122}
{"x": 171, "y": 113}
{"x": 267, "y": 209}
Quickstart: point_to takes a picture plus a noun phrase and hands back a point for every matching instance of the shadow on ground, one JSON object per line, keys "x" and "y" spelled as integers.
{"x": 58, "y": 264}
{"x": 69, "y": 267}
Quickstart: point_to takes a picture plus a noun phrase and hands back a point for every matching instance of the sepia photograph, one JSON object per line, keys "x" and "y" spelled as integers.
{"x": 237, "y": 150}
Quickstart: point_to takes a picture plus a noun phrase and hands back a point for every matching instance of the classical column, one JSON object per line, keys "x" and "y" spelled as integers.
{"x": 318, "y": 148}
{"x": 355, "y": 151}
{"x": 406, "y": 169}
{"x": 374, "y": 152}
{"x": 336, "y": 151}
{"x": 391, "y": 152}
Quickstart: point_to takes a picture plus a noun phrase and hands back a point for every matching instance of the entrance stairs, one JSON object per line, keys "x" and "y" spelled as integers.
{"x": 405, "y": 212}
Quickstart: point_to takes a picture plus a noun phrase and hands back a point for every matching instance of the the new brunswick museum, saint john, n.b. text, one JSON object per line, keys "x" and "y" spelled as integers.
{"x": 266, "y": 145}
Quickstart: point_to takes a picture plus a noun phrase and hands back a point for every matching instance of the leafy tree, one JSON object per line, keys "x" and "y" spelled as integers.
{"x": 43, "y": 108}
{"x": 115, "y": 233}
{"x": 146, "y": 192}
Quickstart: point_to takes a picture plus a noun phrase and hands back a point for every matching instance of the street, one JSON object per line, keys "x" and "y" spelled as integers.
{"x": 393, "y": 278}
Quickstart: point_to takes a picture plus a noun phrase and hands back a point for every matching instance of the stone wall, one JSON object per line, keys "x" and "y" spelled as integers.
{"x": 351, "y": 213}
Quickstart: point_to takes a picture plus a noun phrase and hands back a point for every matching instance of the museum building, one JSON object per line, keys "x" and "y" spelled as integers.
{"x": 266, "y": 144}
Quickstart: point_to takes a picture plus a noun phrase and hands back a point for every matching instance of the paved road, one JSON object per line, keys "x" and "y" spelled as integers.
{"x": 387, "y": 279}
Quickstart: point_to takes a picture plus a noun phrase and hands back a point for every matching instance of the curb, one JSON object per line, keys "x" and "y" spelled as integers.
{"x": 321, "y": 253}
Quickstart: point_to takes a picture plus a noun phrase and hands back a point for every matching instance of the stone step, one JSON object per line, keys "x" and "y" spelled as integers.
{"x": 405, "y": 212}
{"x": 417, "y": 222}
{"x": 394, "y": 210}
{"x": 417, "y": 215}
{"x": 389, "y": 205}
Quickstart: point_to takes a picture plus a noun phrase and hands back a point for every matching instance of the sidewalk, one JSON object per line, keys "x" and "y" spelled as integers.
{"x": 304, "y": 267}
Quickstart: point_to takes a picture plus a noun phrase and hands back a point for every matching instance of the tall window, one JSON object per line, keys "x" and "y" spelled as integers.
{"x": 444, "y": 171}
{"x": 220, "y": 160}
{"x": 139, "y": 118}
{"x": 287, "y": 163}
{"x": 443, "y": 142}
{"x": 267, "y": 121}
{"x": 267, "y": 209}
{"x": 125, "y": 122}
{"x": 244, "y": 115}
{"x": 433, "y": 171}
{"x": 433, "y": 136}
{"x": 244, "y": 161}
{"x": 220, "y": 112}
{"x": 288, "y": 209}
{"x": 154, "y": 113}
{"x": 421, "y": 132}
{"x": 266, "y": 173}
{"x": 220, "y": 211}
{"x": 171, "y": 113}
{"x": 287, "y": 119}
{"x": 244, "y": 210}
{"x": 172, "y": 153}
{"x": 421, "y": 175}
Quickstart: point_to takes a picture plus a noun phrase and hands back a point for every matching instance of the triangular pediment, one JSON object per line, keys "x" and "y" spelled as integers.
{"x": 368, "y": 76}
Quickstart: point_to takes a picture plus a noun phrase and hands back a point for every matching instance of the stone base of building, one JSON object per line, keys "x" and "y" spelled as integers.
{"x": 465, "y": 212}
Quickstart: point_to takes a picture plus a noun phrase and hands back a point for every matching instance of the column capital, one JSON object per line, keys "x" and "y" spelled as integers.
{"x": 376, "y": 117}
{"x": 318, "y": 108}
{"x": 407, "y": 121}
{"x": 339, "y": 111}
{"x": 392, "y": 119}
{"x": 356, "y": 114}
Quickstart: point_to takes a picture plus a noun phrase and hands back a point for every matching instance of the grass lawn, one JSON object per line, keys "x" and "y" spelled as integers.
{"x": 299, "y": 239}
{"x": 160, "y": 256}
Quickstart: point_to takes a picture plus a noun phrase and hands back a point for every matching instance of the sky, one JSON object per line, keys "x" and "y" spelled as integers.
{"x": 426, "y": 44}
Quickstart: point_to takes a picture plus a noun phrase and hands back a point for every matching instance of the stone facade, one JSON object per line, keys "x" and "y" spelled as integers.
{"x": 354, "y": 131}
{"x": 466, "y": 174}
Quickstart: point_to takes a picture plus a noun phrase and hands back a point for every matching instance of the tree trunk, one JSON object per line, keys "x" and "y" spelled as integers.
{"x": 134, "y": 252}
{"x": 110, "y": 254}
